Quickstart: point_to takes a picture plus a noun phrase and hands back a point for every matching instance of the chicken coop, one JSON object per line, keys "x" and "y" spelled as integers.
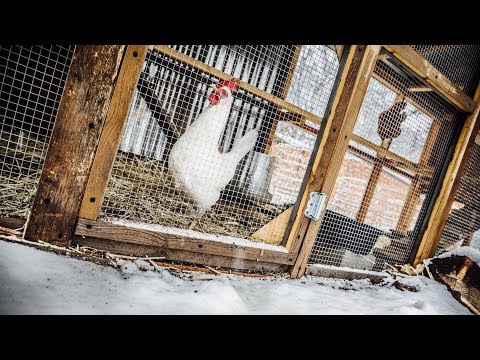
{"x": 254, "y": 157}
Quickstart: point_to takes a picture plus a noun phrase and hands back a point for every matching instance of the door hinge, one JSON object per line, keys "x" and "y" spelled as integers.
{"x": 315, "y": 205}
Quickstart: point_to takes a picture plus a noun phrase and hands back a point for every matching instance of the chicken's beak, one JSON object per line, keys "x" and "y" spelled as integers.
{"x": 214, "y": 86}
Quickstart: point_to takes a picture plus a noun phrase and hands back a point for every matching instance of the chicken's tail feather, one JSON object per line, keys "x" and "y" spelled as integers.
{"x": 243, "y": 146}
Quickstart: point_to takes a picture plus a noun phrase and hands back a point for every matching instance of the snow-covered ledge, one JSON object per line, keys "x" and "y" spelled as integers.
{"x": 344, "y": 273}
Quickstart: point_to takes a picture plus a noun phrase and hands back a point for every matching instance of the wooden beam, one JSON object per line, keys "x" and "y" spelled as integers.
{"x": 451, "y": 182}
{"x": 110, "y": 138}
{"x": 415, "y": 189}
{"x": 339, "y": 51}
{"x": 385, "y": 162}
{"x": 339, "y": 273}
{"x": 369, "y": 191}
{"x": 281, "y": 103}
{"x": 12, "y": 223}
{"x": 278, "y": 115}
{"x": 325, "y": 164}
{"x": 400, "y": 161}
{"x": 374, "y": 177}
{"x": 80, "y": 117}
{"x": 273, "y": 231}
{"x": 409, "y": 205}
{"x": 420, "y": 66}
{"x": 166, "y": 240}
{"x": 387, "y": 80}
{"x": 128, "y": 248}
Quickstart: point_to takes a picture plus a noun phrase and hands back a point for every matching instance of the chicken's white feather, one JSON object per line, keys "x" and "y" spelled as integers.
{"x": 195, "y": 161}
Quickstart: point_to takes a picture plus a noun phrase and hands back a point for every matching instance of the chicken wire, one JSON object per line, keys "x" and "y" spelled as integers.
{"x": 459, "y": 63}
{"x": 170, "y": 172}
{"x": 31, "y": 84}
{"x": 388, "y": 175}
{"x": 463, "y": 223}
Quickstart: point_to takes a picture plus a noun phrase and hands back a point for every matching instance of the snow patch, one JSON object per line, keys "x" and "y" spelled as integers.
{"x": 39, "y": 282}
{"x": 472, "y": 253}
{"x": 199, "y": 235}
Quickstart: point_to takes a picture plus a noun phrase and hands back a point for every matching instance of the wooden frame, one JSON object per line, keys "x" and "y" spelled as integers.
{"x": 281, "y": 103}
{"x": 110, "y": 138}
{"x": 90, "y": 230}
{"x": 451, "y": 182}
{"x": 79, "y": 120}
{"x": 339, "y": 125}
{"x": 416, "y": 63}
{"x": 356, "y": 69}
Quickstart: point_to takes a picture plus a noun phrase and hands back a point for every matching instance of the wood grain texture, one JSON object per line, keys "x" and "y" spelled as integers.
{"x": 273, "y": 231}
{"x": 11, "y": 223}
{"x": 80, "y": 117}
{"x": 127, "y": 248}
{"x": 419, "y": 65}
{"x": 165, "y": 240}
{"x": 346, "y": 106}
{"x": 110, "y": 138}
{"x": 450, "y": 184}
{"x": 282, "y": 104}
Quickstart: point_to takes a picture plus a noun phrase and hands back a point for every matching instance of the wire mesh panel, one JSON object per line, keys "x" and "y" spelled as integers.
{"x": 207, "y": 155}
{"x": 386, "y": 179}
{"x": 463, "y": 223}
{"x": 31, "y": 84}
{"x": 459, "y": 63}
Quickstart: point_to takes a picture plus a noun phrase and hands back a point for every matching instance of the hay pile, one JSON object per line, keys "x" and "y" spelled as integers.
{"x": 21, "y": 162}
{"x": 140, "y": 189}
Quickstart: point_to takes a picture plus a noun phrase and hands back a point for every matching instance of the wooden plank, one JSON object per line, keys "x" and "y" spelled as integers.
{"x": 339, "y": 273}
{"x": 11, "y": 223}
{"x": 80, "y": 116}
{"x": 385, "y": 162}
{"x": 399, "y": 161}
{"x": 279, "y": 114}
{"x": 408, "y": 208}
{"x": 110, "y": 138}
{"x": 273, "y": 231}
{"x": 387, "y": 80}
{"x": 339, "y": 51}
{"x": 296, "y": 55}
{"x": 451, "y": 181}
{"x": 282, "y": 104}
{"x": 414, "y": 191}
{"x": 167, "y": 240}
{"x": 338, "y": 128}
{"x": 420, "y": 66}
{"x": 128, "y": 248}
{"x": 369, "y": 191}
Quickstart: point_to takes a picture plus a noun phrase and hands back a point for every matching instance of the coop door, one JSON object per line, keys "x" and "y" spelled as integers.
{"x": 388, "y": 174}
{"x": 200, "y": 153}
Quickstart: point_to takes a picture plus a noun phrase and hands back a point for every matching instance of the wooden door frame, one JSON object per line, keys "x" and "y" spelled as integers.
{"x": 346, "y": 98}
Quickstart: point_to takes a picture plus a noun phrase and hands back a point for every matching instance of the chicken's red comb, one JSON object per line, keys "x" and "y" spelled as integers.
{"x": 233, "y": 84}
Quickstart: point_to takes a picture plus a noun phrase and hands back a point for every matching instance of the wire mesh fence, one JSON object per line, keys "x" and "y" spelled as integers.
{"x": 31, "y": 84}
{"x": 202, "y": 153}
{"x": 388, "y": 175}
{"x": 459, "y": 63}
{"x": 463, "y": 223}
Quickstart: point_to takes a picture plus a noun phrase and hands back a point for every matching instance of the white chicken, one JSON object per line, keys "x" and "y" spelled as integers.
{"x": 195, "y": 161}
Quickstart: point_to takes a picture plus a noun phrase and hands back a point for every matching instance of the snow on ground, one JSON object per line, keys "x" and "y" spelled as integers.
{"x": 37, "y": 282}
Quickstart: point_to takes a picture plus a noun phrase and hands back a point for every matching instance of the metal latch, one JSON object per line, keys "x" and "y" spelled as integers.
{"x": 315, "y": 205}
